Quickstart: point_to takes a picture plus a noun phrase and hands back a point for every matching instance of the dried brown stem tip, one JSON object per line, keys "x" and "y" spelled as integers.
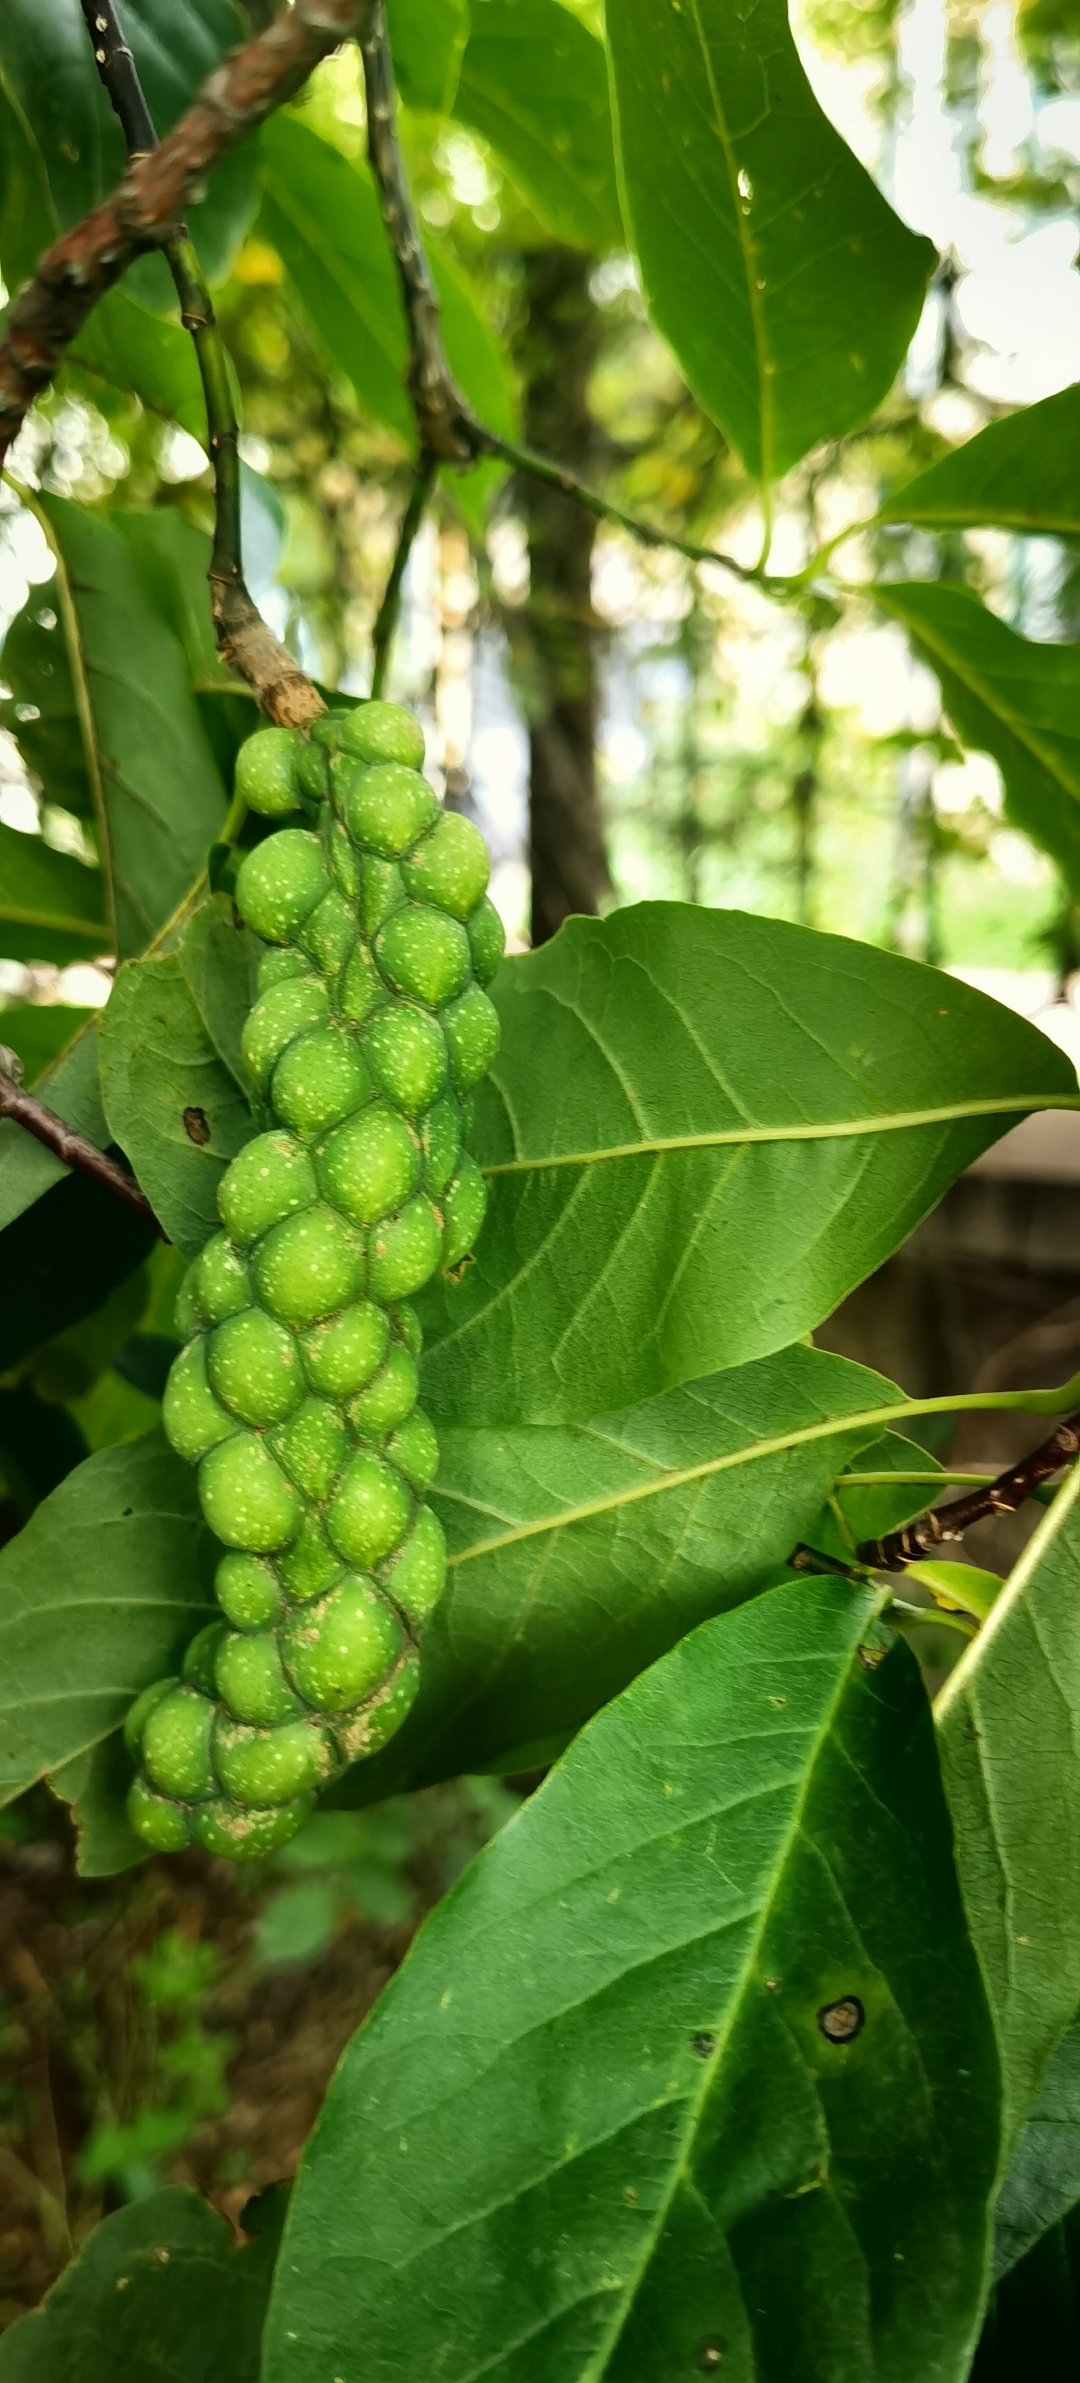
{"x": 947, "y": 1524}
{"x": 72, "y": 1149}
{"x": 148, "y": 208}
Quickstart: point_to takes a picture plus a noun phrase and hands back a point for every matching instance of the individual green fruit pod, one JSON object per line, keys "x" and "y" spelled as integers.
{"x": 194, "y": 1419}
{"x": 387, "y": 808}
{"x": 487, "y": 941}
{"x": 338, "y": 1651}
{"x": 449, "y": 867}
{"x": 248, "y": 1592}
{"x": 389, "y": 1397}
{"x": 266, "y": 771}
{"x": 382, "y": 732}
{"x": 463, "y": 1205}
{"x": 242, "y": 1834}
{"x": 246, "y": 1498}
{"x": 220, "y": 1281}
{"x": 279, "y": 884}
{"x": 283, "y": 1011}
{"x": 370, "y": 1166}
{"x": 295, "y": 1394}
{"x": 250, "y": 1680}
{"x": 270, "y": 1766}
{"x": 254, "y": 1368}
{"x": 319, "y": 1081}
{"x": 268, "y": 1180}
{"x": 424, "y": 954}
{"x": 365, "y": 1731}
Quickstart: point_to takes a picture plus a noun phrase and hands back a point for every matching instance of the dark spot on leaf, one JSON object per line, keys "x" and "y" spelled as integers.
{"x": 841, "y": 2021}
{"x": 196, "y": 1127}
{"x": 125, "y": 1511}
{"x": 709, "y": 2355}
{"x": 704, "y": 2045}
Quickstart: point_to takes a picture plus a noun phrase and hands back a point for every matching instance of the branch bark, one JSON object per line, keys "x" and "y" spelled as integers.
{"x": 148, "y": 208}
{"x": 946, "y": 1525}
{"x": 283, "y": 690}
{"x": 72, "y": 1149}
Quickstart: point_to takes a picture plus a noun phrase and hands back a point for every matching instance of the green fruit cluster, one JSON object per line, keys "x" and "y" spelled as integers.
{"x": 295, "y": 1394}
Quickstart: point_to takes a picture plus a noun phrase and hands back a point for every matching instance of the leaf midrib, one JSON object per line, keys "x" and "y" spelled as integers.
{"x": 832, "y": 1427}
{"x": 827, "y": 1130}
{"x": 749, "y": 252}
{"x": 995, "y": 704}
{"x": 680, "y": 2169}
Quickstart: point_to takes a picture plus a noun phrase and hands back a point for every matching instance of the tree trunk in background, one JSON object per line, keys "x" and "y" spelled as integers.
{"x": 569, "y": 868}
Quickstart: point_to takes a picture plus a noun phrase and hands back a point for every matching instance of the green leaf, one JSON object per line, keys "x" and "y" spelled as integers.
{"x": 65, "y": 1242}
{"x": 99, "y": 1595}
{"x": 172, "y": 1105}
{"x": 1043, "y": 2180}
{"x": 70, "y": 1087}
{"x": 123, "y": 343}
{"x": 38, "y": 1031}
{"x": 27, "y": 218}
{"x": 1021, "y": 473}
{"x": 220, "y": 961}
{"x": 160, "y": 2289}
{"x": 534, "y": 84}
{"x": 702, "y": 1131}
{"x": 51, "y": 906}
{"x": 1008, "y": 1720}
{"x": 48, "y": 71}
{"x": 426, "y": 40}
{"x": 1017, "y": 701}
{"x": 784, "y": 282}
{"x": 157, "y": 796}
{"x": 595, "y": 2128}
{"x": 322, "y": 216}
{"x": 579, "y": 1554}
{"x": 172, "y": 558}
{"x": 866, "y": 1508}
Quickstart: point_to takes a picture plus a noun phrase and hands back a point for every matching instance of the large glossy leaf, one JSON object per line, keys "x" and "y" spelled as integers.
{"x": 99, "y": 1595}
{"x": 596, "y": 2126}
{"x": 1008, "y": 1725}
{"x": 48, "y": 70}
{"x": 702, "y": 1131}
{"x": 161, "y": 2289}
{"x": 785, "y": 284}
{"x": 534, "y": 84}
{"x": 427, "y": 38}
{"x": 1005, "y": 696}
{"x": 122, "y": 686}
{"x": 1043, "y": 2180}
{"x": 70, "y": 1086}
{"x": 123, "y": 343}
{"x": 65, "y": 1242}
{"x": 579, "y": 1554}
{"x": 51, "y": 907}
{"x": 322, "y": 216}
{"x": 38, "y": 1031}
{"x": 172, "y": 1104}
{"x": 1022, "y": 473}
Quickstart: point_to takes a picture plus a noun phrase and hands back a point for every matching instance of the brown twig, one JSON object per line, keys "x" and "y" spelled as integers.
{"x": 72, "y": 1149}
{"x": 243, "y": 638}
{"x": 445, "y": 422}
{"x": 148, "y": 207}
{"x": 386, "y": 623}
{"x": 945, "y": 1525}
